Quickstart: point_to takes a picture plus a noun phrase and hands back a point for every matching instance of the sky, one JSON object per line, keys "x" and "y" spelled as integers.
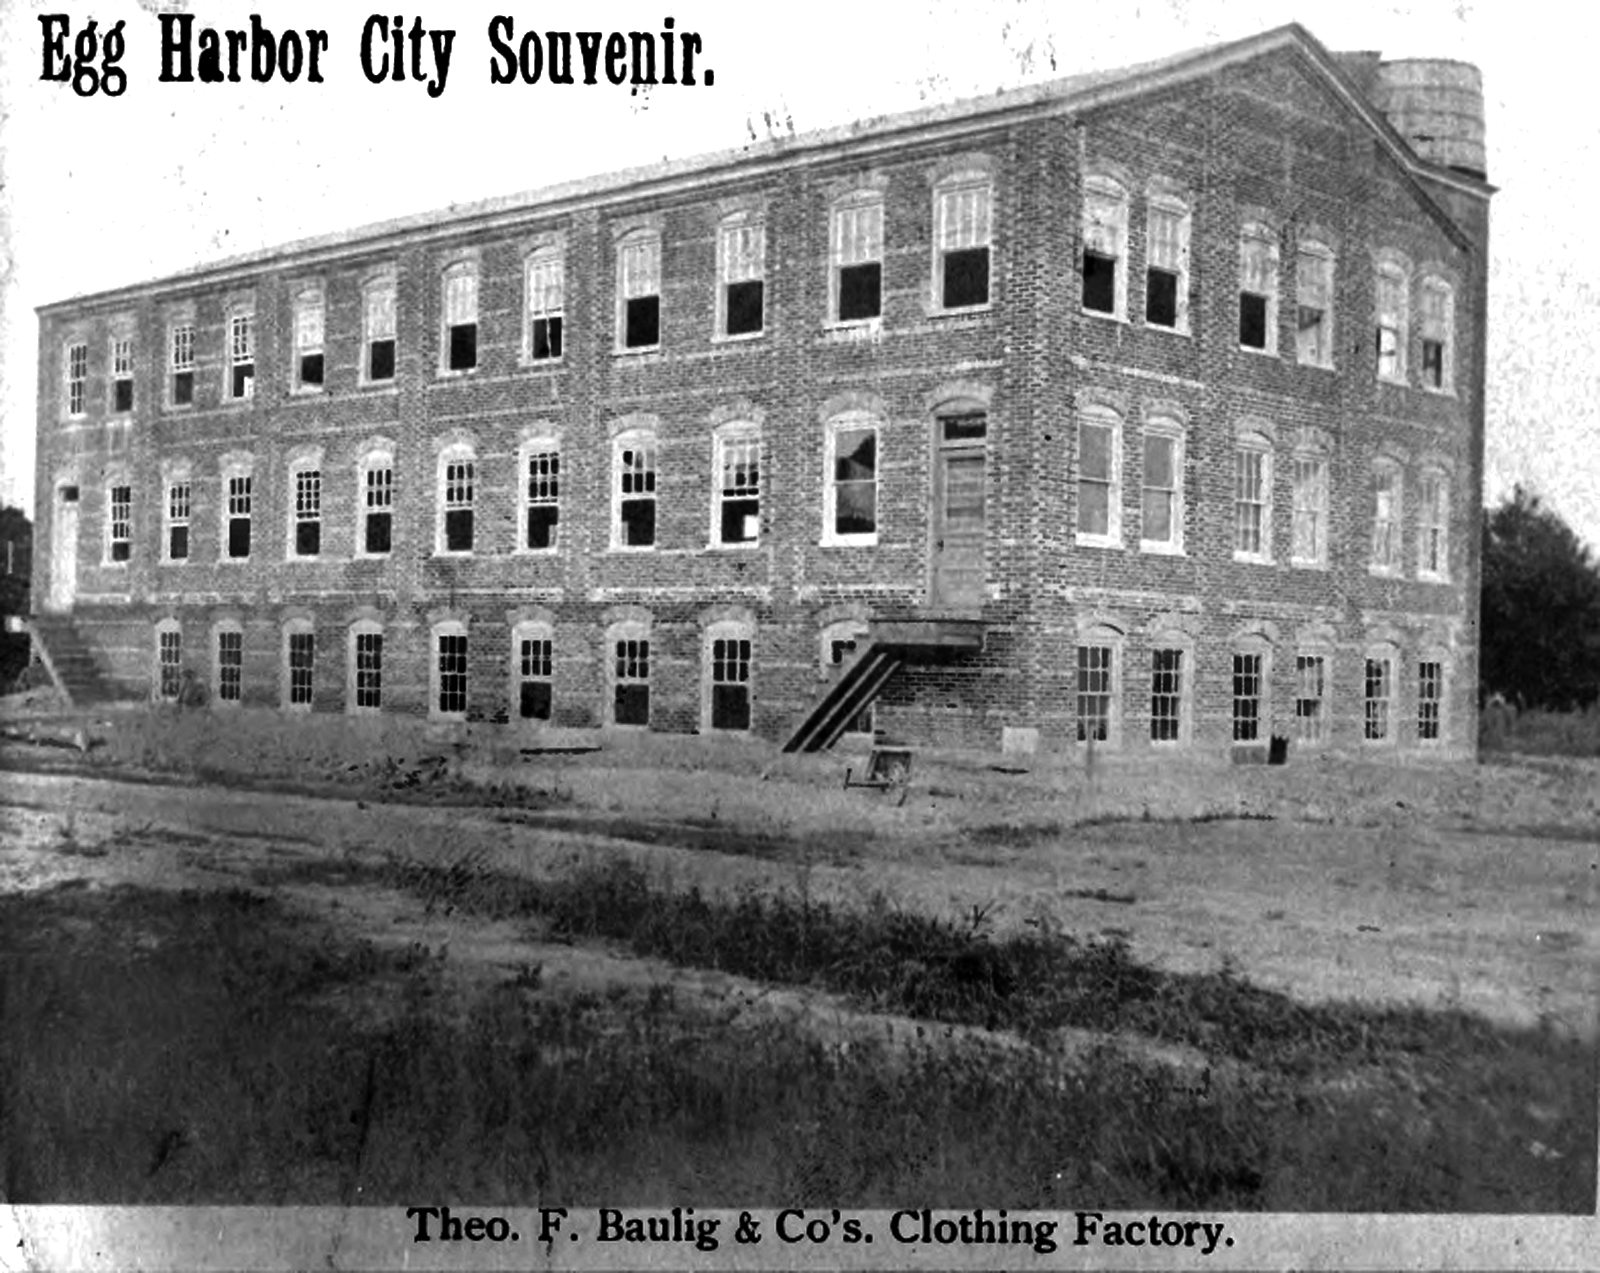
{"x": 103, "y": 191}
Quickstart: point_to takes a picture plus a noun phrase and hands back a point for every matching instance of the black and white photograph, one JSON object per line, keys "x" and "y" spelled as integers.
{"x": 723, "y": 636}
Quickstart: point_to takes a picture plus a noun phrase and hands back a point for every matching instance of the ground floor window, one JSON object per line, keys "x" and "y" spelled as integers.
{"x": 452, "y": 673}
{"x": 1094, "y": 692}
{"x": 730, "y": 683}
{"x": 1430, "y": 699}
{"x": 368, "y": 671}
{"x": 1310, "y": 698}
{"x": 535, "y": 661}
{"x": 302, "y": 657}
{"x": 169, "y": 662}
{"x": 1378, "y": 699}
{"x": 630, "y": 702}
{"x": 230, "y": 666}
{"x": 1166, "y": 696}
{"x": 1248, "y": 684}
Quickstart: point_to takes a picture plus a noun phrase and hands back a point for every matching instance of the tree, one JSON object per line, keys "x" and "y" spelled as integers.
{"x": 1541, "y": 608}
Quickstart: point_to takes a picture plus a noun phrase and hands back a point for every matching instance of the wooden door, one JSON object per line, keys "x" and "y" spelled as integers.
{"x": 958, "y": 519}
{"x": 64, "y": 550}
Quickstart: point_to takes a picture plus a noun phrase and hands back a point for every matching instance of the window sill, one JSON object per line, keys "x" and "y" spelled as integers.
{"x": 635, "y": 351}
{"x": 1258, "y": 353}
{"x": 1316, "y": 366}
{"x": 1251, "y": 559}
{"x": 1400, "y": 381}
{"x": 445, "y": 554}
{"x": 1157, "y": 549}
{"x": 108, "y": 564}
{"x": 522, "y": 551}
{"x": 527, "y": 363}
{"x": 304, "y": 558}
{"x": 174, "y": 561}
{"x": 1177, "y": 330}
{"x": 855, "y": 541}
{"x": 1307, "y": 563}
{"x": 1084, "y": 540}
{"x": 233, "y": 561}
{"x": 1438, "y": 391}
{"x": 1103, "y": 315}
{"x": 454, "y": 373}
{"x": 370, "y": 556}
{"x": 306, "y": 391}
{"x": 378, "y": 386}
{"x": 738, "y": 338}
{"x": 1429, "y": 577}
{"x": 1385, "y": 572}
{"x": 961, "y": 311}
{"x": 744, "y": 546}
{"x": 853, "y": 329}
{"x": 632, "y": 549}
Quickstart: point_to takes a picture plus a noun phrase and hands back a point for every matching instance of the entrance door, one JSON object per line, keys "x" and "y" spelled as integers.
{"x": 957, "y": 575}
{"x": 64, "y": 550}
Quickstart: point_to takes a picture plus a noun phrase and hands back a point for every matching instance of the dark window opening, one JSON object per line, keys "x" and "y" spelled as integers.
{"x": 380, "y": 360}
{"x": 182, "y": 388}
{"x": 452, "y": 674}
{"x": 1252, "y": 320}
{"x": 69, "y": 494}
{"x": 745, "y": 307}
{"x": 534, "y": 701}
{"x": 307, "y": 539}
{"x": 178, "y": 542}
{"x": 458, "y": 530}
{"x": 311, "y": 369}
{"x": 741, "y": 521}
{"x": 122, "y": 395}
{"x": 730, "y": 707}
{"x": 238, "y": 536}
{"x": 965, "y": 428}
{"x": 860, "y": 291}
{"x": 638, "y": 522}
{"x": 1433, "y": 363}
{"x": 302, "y": 655}
{"x": 463, "y": 346}
{"x": 966, "y": 277}
{"x": 547, "y": 338}
{"x": 120, "y": 549}
{"x": 377, "y": 539}
{"x": 244, "y": 375}
{"x": 1099, "y": 283}
{"x": 632, "y": 705}
{"x": 542, "y": 521}
{"x": 642, "y": 322}
{"x": 1161, "y": 298}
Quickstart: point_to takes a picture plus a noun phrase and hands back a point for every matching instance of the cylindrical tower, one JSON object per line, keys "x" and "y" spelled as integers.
{"x": 1437, "y": 106}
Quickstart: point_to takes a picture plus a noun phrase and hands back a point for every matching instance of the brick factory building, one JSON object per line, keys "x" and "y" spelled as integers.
{"x": 1144, "y": 407}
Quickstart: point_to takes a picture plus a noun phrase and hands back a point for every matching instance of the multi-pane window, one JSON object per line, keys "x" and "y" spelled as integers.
{"x": 230, "y": 665}
{"x": 169, "y": 662}
{"x": 962, "y": 233}
{"x": 450, "y": 649}
{"x": 1098, "y": 497}
{"x": 535, "y": 663}
{"x": 1386, "y": 510}
{"x": 857, "y": 251}
{"x": 309, "y": 312}
{"x": 301, "y": 654}
{"x": 1161, "y": 507}
{"x": 238, "y": 514}
{"x": 1248, "y": 687}
{"x": 1166, "y": 287}
{"x": 1392, "y": 286}
{"x": 461, "y": 318}
{"x": 547, "y": 302}
{"x": 377, "y": 505}
{"x": 307, "y": 512}
{"x": 1252, "y": 496}
{"x": 738, "y": 487}
{"x": 178, "y": 520}
{"x": 1430, "y": 699}
{"x": 1438, "y": 332}
{"x": 851, "y": 494}
{"x": 77, "y": 378}
{"x": 120, "y": 524}
{"x": 1166, "y": 696}
{"x": 1314, "y": 305}
{"x": 741, "y": 275}
{"x": 635, "y": 526}
{"x": 378, "y": 331}
{"x": 541, "y": 496}
{"x": 456, "y": 479}
{"x": 241, "y": 356}
{"x": 730, "y": 682}
{"x": 367, "y": 670}
{"x": 1311, "y": 511}
{"x": 1310, "y": 698}
{"x": 1433, "y": 529}
{"x": 639, "y": 293}
{"x": 1094, "y": 692}
{"x": 1378, "y": 698}
{"x": 1258, "y": 289}
{"x": 122, "y": 373}
{"x": 630, "y": 682}
{"x": 181, "y": 363}
{"x": 1105, "y": 246}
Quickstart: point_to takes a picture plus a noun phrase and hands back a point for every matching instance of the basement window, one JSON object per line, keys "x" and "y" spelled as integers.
{"x": 450, "y": 670}
{"x": 169, "y": 662}
{"x": 366, "y": 669}
{"x": 1378, "y": 699}
{"x": 1166, "y": 696}
{"x": 729, "y": 707}
{"x": 300, "y": 656}
{"x": 230, "y": 665}
{"x": 1249, "y": 688}
{"x": 1095, "y": 699}
{"x": 1430, "y": 700}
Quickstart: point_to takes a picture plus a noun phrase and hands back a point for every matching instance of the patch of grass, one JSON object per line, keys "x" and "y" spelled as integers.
{"x": 1542, "y": 733}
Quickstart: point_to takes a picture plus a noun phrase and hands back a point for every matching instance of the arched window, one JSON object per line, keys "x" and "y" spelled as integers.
{"x": 728, "y": 663}
{"x": 1166, "y": 288}
{"x": 1252, "y": 496}
{"x": 963, "y": 236}
{"x": 378, "y": 313}
{"x": 741, "y": 275}
{"x": 1433, "y": 525}
{"x": 448, "y": 670}
{"x": 457, "y": 498}
{"x": 168, "y": 678}
{"x": 736, "y": 485}
{"x": 177, "y": 492}
{"x": 299, "y": 664}
{"x": 458, "y": 347}
{"x": 238, "y": 507}
{"x": 227, "y": 682}
{"x": 1171, "y": 688}
{"x": 1099, "y": 684}
{"x": 539, "y": 508}
{"x": 545, "y": 291}
{"x": 1251, "y": 706}
{"x": 633, "y": 489}
{"x": 364, "y": 692}
{"x": 1378, "y": 696}
{"x": 310, "y": 307}
{"x": 1104, "y": 258}
{"x": 850, "y": 486}
{"x": 639, "y": 290}
{"x": 1314, "y": 295}
{"x": 1438, "y": 335}
{"x": 1099, "y": 485}
{"x": 305, "y": 504}
{"x": 1258, "y": 288}
{"x": 375, "y": 474}
{"x": 1388, "y": 504}
{"x": 532, "y": 671}
{"x": 1161, "y": 511}
{"x": 1392, "y": 315}
{"x": 855, "y": 253}
{"x": 628, "y": 673}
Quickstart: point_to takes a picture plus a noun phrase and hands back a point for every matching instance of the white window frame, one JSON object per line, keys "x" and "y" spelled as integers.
{"x": 635, "y": 440}
{"x": 234, "y": 472}
{"x": 1397, "y": 275}
{"x": 1439, "y": 700}
{"x": 854, "y": 241}
{"x": 180, "y": 362}
{"x": 741, "y": 258}
{"x": 1169, "y": 206}
{"x": 75, "y": 363}
{"x": 735, "y": 630}
{"x": 955, "y": 231}
{"x": 1256, "y": 444}
{"x": 292, "y": 629}
{"x": 1099, "y": 418}
{"x": 1313, "y": 503}
{"x": 447, "y": 497}
{"x": 850, "y": 421}
{"x": 171, "y": 518}
{"x": 300, "y": 468}
{"x": 1378, "y": 713}
{"x": 1171, "y": 431}
{"x": 229, "y": 627}
{"x": 1392, "y": 561}
{"x": 448, "y": 628}
{"x": 353, "y": 704}
{"x": 1258, "y": 648}
{"x": 459, "y": 306}
{"x": 726, "y": 439}
{"x": 376, "y": 460}
{"x": 1184, "y": 649}
{"x": 310, "y": 338}
{"x": 544, "y": 295}
{"x": 241, "y": 337}
{"x": 1312, "y": 729}
{"x": 546, "y": 447}
{"x": 1103, "y": 224}
{"x": 1312, "y": 255}
{"x": 640, "y": 270}
{"x": 1111, "y": 642}
{"x": 380, "y": 306}
{"x": 164, "y": 628}
{"x": 119, "y": 482}
{"x": 530, "y": 630}
{"x": 1438, "y": 323}
{"x": 629, "y": 630}
{"x": 122, "y": 364}
{"x": 1257, "y": 236}
{"x": 1433, "y": 526}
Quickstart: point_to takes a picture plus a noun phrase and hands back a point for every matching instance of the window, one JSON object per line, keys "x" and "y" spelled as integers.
{"x": 450, "y": 670}
{"x": 1161, "y": 504}
{"x": 230, "y": 665}
{"x": 1258, "y": 289}
{"x": 456, "y": 469}
{"x": 308, "y": 325}
{"x": 635, "y": 492}
{"x": 1438, "y": 336}
{"x": 1166, "y": 696}
{"x": 177, "y": 537}
{"x": 1249, "y": 686}
{"x": 1430, "y": 700}
{"x": 378, "y": 319}
{"x": 839, "y": 644}
{"x": 1433, "y": 528}
{"x": 119, "y": 530}
{"x": 1252, "y": 500}
{"x": 1314, "y": 305}
{"x": 534, "y": 656}
{"x": 1378, "y": 698}
{"x": 1166, "y": 287}
{"x": 461, "y": 318}
{"x": 1392, "y": 286}
{"x": 300, "y": 656}
{"x": 1095, "y": 699}
{"x": 307, "y": 511}
{"x": 1311, "y": 511}
{"x": 741, "y": 271}
{"x": 122, "y": 373}
{"x": 1105, "y": 246}
{"x": 1386, "y": 512}
{"x": 728, "y": 650}
{"x": 377, "y": 504}
{"x": 857, "y": 251}
{"x": 241, "y": 356}
{"x": 737, "y": 493}
{"x": 546, "y": 295}
{"x": 237, "y": 501}
{"x": 541, "y": 502}
{"x": 366, "y": 668}
{"x": 181, "y": 361}
{"x": 850, "y": 496}
{"x": 630, "y": 681}
{"x": 77, "y": 378}
{"x": 1310, "y": 698}
{"x": 962, "y": 234}
{"x": 169, "y": 662}
{"x": 1099, "y": 485}
{"x": 639, "y": 292}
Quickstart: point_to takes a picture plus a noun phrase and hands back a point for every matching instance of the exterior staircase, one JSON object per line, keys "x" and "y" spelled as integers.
{"x": 67, "y": 658}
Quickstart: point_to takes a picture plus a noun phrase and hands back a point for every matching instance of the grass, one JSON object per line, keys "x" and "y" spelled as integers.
{"x": 1542, "y": 733}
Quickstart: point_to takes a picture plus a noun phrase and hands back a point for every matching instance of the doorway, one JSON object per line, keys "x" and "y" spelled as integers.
{"x": 64, "y": 550}
{"x": 956, "y": 574}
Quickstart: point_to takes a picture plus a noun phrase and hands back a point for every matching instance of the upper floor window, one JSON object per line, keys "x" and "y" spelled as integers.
{"x": 461, "y": 317}
{"x": 1252, "y": 499}
{"x": 639, "y": 292}
{"x": 1392, "y": 288}
{"x": 736, "y": 494}
{"x": 119, "y": 526}
{"x": 546, "y": 287}
{"x": 177, "y": 519}
{"x": 309, "y": 309}
{"x": 1166, "y": 288}
{"x": 850, "y": 494}
{"x": 122, "y": 373}
{"x": 741, "y": 275}
{"x": 1387, "y": 490}
{"x": 1309, "y": 541}
{"x": 1100, "y": 478}
{"x": 1314, "y": 275}
{"x": 1105, "y": 246}
{"x": 180, "y": 361}
{"x": 377, "y": 504}
{"x": 962, "y": 234}
{"x": 1258, "y": 288}
{"x": 541, "y": 494}
{"x": 237, "y": 484}
{"x": 306, "y": 479}
{"x": 378, "y": 330}
{"x": 1438, "y": 335}
{"x": 1433, "y": 527}
{"x": 241, "y": 355}
{"x": 457, "y": 467}
{"x": 1161, "y": 506}
{"x": 634, "y": 491}
{"x": 77, "y": 378}
{"x": 857, "y": 259}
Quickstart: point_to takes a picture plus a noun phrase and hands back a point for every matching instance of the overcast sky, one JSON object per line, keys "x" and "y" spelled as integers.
{"x": 102, "y": 192}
